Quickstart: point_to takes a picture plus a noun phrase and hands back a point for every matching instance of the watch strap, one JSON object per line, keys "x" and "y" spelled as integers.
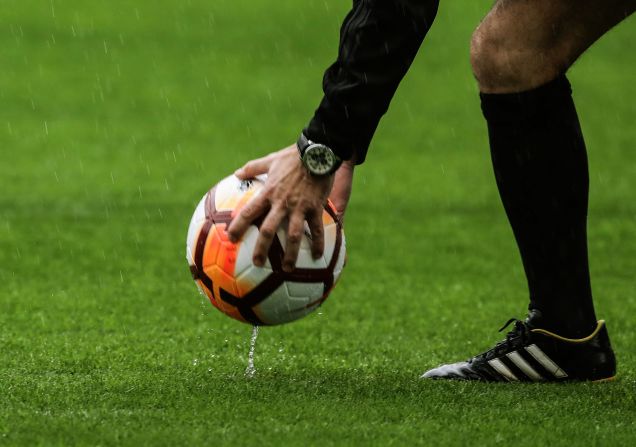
{"x": 302, "y": 143}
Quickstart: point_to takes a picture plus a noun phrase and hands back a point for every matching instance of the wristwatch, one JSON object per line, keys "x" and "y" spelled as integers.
{"x": 317, "y": 158}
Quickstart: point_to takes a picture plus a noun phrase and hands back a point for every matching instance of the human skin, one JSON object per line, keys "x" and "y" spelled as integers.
{"x": 523, "y": 44}
{"x": 290, "y": 194}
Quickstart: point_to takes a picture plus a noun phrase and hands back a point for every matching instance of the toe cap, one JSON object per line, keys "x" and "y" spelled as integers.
{"x": 452, "y": 371}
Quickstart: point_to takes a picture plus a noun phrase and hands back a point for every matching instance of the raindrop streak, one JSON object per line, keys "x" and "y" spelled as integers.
{"x": 250, "y": 370}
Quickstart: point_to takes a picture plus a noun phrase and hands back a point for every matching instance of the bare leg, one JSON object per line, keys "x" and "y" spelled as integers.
{"x": 520, "y": 53}
{"x": 522, "y": 44}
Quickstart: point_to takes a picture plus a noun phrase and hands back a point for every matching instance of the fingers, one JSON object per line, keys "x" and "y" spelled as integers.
{"x": 266, "y": 234}
{"x": 294, "y": 236}
{"x": 267, "y": 231}
{"x": 254, "y": 209}
{"x": 289, "y": 192}
{"x": 317, "y": 234}
{"x": 341, "y": 190}
{"x": 253, "y": 168}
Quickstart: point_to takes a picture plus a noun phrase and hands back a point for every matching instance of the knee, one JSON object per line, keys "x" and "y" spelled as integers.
{"x": 505, "y": 62}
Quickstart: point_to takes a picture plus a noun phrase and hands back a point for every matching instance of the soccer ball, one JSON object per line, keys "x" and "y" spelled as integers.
{"x": 266, "y": 295}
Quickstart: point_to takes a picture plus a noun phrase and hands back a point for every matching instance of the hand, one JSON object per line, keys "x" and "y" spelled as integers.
{"x": 289, "y": 192}
{"x": 341, "y": 190}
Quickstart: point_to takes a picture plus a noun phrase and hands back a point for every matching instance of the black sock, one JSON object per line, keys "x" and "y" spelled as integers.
{"x": 540, "y": 164}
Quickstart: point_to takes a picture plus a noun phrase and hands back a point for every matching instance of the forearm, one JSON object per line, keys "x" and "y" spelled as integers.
{"x": 378, "y": 42}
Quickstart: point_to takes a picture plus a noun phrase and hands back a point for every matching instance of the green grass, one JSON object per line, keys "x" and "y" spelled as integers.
{"x": 116, "y": 116}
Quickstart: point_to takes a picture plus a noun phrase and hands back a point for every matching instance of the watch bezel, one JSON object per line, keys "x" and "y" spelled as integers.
{"x": 314, "y": 150}
{"x": 307, "y": 147}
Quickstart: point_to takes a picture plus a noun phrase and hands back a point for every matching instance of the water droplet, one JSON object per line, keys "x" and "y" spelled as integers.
{"x": 251, "y": 370}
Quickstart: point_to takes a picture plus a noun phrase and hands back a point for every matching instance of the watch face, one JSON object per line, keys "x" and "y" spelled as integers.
{"x": 319, "y": 159}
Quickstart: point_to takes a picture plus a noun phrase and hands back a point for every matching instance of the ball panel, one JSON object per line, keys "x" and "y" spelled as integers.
{"x": 305, "y": 259}
{"x": 342, "y": 257}
{"x": 250, "y": 278}
{"x": 226, "y": 252}
{"x": 220, "y": 279}
{"x": 211, "y": 248}
{"x": 282, "y": 307}
{"x": 301, "y": 307}
{"x": 194, "y": 229}
{"x": 273, "y": 309}
{"x": 229, "y": 310}
{"x": 331, "y": 234}
{"x": 309, "y": 291}
{"x": 189, "y": 255}
{"x": 224, "y": 191}
{"x": 232, "y": 194}
{"x": 221, "y": 305}
{"x": 246, "y": 251}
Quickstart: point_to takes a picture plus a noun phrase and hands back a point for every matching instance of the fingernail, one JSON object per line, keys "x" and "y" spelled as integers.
{"x": 238, "y": 172}
{"x": 258, "y": 261}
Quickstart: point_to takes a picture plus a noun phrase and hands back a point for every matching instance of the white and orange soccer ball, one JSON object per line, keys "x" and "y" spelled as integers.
{"x": 224, "y": 272}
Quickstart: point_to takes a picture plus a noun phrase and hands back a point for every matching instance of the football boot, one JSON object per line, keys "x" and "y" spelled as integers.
{"x": 530, "y": 353}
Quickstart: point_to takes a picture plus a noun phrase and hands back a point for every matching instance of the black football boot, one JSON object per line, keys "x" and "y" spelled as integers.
{"x": 532, "y": 354}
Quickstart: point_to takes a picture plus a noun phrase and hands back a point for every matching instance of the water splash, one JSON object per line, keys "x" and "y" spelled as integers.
{"x": 251, "y": 370}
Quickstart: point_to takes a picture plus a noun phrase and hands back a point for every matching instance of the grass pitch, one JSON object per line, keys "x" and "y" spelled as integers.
{"x": 116, "y": 117}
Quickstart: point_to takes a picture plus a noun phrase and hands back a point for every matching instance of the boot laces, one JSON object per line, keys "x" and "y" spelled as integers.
{"x": 514, "y": 338}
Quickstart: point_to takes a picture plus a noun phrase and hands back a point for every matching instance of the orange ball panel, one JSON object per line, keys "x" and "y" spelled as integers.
{"x": 212, "y": 246}
{"x": 229, "y": 310}
{"x": 227, "y": 252}
{"x": 219, "y": 250}
{"x": 220, "y": 279}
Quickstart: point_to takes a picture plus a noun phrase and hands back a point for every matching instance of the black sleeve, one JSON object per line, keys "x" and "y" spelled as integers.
{"x": 378, "y": 41}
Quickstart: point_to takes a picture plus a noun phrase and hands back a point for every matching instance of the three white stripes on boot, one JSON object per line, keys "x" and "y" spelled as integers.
{"x": 540, "y": 356}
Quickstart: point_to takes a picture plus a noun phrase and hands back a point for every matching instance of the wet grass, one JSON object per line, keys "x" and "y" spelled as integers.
{"x": 116, "y": 117}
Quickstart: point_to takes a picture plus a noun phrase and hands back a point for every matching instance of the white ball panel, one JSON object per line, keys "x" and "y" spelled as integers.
{"x": 299, "y": 308}
{"x": 246, "y": 251}
{"x": 311, "y": 291}
{"x": 280, "y": 307}
{"x": 189, "y": 255}
{"x": 331, "y": 232}
{"x": 275, "y": 308}
{"x": 193, "y": 230}
{"x": 305, "y": 242}
{"x": 225, "y": 189}
{"x": 231, "y": 188}
{"x": 305, "y": 259}
{"x": 337, "y": 270}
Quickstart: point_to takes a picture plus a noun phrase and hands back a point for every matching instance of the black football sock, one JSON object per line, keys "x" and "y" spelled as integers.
{"x": 540, "y": 165}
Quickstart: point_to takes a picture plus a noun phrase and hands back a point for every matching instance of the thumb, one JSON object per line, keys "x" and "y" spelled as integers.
{"x": 253, "y": 168}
